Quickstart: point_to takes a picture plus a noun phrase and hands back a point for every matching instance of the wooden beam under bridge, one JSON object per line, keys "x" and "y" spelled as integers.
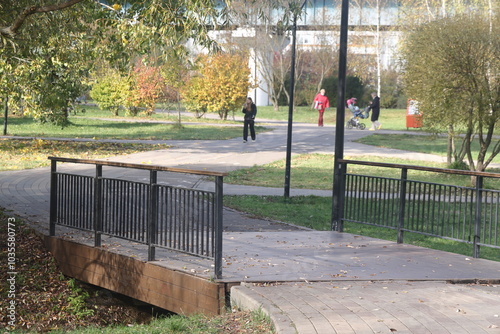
{"x": 148, "y": 282}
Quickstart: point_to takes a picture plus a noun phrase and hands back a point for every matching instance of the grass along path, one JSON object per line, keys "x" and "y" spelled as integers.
{"x": 425, "y": 144}
{"x": 393, "y": 119}
{"x": 315, "y": 171}
{"x": 81, "y": 127}
{"x": 20, "y": 154}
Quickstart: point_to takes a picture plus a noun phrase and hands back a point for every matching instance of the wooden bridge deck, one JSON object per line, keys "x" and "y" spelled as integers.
{"x": 184, "y": 284}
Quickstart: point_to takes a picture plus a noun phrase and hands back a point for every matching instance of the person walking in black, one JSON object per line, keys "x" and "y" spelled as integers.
{"x": 250, "y": 111}
{"x": 375, "y": 107}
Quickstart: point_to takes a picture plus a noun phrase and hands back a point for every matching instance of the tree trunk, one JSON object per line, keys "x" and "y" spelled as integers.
{"x": 378, "y": 48}
{"x": 449, "y": 149}
{"x": 6, "y": 116}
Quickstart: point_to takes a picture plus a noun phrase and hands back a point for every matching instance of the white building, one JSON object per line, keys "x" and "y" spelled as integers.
{"x": 319, "y": 27}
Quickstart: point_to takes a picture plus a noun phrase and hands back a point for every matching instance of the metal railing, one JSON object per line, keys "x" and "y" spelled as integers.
{"x": 460, "y": 213}
{"x": 151, "y": 213}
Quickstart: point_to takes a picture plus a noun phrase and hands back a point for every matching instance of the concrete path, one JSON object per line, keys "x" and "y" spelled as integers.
{"x": 391, "y": 301}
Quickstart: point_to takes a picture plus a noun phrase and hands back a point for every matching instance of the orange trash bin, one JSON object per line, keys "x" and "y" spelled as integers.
{"x": 413, "y": 115}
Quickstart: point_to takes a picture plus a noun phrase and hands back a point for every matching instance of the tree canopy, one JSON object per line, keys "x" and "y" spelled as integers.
{"x": 451, "y": 67}
{"x": 47, "y": 47}
{"x": 220, "y": 86}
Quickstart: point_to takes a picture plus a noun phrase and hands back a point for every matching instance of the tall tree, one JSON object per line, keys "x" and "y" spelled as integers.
{"x": 417, "y": 12}
{"x": 49, "y": 58}
{"x": 57, "y": 40}
{"x": 452, "y": 68}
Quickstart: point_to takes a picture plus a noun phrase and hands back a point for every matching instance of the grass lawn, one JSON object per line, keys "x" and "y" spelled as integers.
{"x": 392, "y": 119}
{"x": 82, "y": 127}
{"x": 25, "y": 154}
{"x": 241, "y": 322}
{"x": 423, "y": 143}
{"x": 161, "y": 114}
{"x": 315, "y": 171}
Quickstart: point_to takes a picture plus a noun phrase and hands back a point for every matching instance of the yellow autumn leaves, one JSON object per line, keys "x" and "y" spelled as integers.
{"x": 220, "y": 86}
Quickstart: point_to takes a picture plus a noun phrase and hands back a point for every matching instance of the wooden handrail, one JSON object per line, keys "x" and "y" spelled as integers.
{"x": 136, "y": 166}
{"x": 423, "y": 168}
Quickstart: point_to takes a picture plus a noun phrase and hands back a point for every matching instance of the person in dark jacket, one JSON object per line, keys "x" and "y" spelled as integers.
{"x": 375, "y": 107}
{"x": 250, "y": 111}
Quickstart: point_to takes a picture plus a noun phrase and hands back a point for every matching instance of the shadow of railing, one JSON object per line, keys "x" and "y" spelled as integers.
{"x": 152, "y": 213}
{"x": 460, "y": 213}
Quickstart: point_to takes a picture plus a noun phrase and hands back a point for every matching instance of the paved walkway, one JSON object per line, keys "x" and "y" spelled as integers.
{"x": 347, "y": 285}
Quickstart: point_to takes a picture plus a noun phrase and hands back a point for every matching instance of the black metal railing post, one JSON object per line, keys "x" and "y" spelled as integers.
{"x": 53, "y": 198}
{"x": 402, "y": 204}
{"x": 339, "y": 227}
{"x": 152, "y": 214}
{"x": 218, "y": 225}
{"x": 478, "y": 212}
{"x": 98, "y": 205}
{"x": 340, "y": 118}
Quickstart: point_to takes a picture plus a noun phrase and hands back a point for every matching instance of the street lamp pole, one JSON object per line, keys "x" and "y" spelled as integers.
{"x": 338, "y": 184}
{"x": 295, "y": 12}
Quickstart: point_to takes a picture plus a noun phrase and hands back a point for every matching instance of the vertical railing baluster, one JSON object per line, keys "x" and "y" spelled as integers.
{"x": 169, "y": 212}
{"x": 496, "y": 225}
{"x": 349, "y": 200}
{"x": 402, "y": 204}
{"x": 218, "y": 225}
{"x": 116, "y": 216}
{"x": 53, "y": 198}
{"x": 477, "y": 229}
{"x": 98, "y": 206}
{"x": 209, "y": 226}
{"x": 152, "y": 214}
{"x": 198, "y": 208}
{"x": 192, "y": 221}
{"x": 342, "y": 183}
{"x": 201, "y": 217}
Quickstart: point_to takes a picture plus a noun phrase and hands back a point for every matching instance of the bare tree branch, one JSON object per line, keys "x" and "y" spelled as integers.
{"x": 12, "y": 30}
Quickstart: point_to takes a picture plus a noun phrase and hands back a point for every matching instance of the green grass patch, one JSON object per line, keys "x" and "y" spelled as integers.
{"x": 81, "y": 127}
{"x": 423, "y": 143}
{"x": 305, "y": 211}
{"x": 311, "y": 171}
{"x": 162, "y": 115}
{"x": 248, "y": 322}
{"x": 315, "y": 171}
{"x": 315, "y": 212}
{"x": 392, "y": 119}
{"x": 26, "y": 154}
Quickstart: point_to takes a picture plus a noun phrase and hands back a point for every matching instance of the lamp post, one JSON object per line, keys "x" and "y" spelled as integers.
{"x": 295, "y": 12}
{"x": 338, "y": 186}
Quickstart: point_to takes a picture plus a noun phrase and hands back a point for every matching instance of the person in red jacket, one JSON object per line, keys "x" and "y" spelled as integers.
{"x": 320, "y": 104}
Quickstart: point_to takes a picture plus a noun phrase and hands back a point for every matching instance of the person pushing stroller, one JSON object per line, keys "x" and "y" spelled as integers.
{"x": 357, "y": 113}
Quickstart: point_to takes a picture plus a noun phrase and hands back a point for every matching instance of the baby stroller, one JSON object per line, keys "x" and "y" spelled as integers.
{"x": 354, "y": 122}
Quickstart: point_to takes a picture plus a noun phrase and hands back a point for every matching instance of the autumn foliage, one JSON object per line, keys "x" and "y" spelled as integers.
{"x": 148, "y": 87}
{"x": 220, "y": 85}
